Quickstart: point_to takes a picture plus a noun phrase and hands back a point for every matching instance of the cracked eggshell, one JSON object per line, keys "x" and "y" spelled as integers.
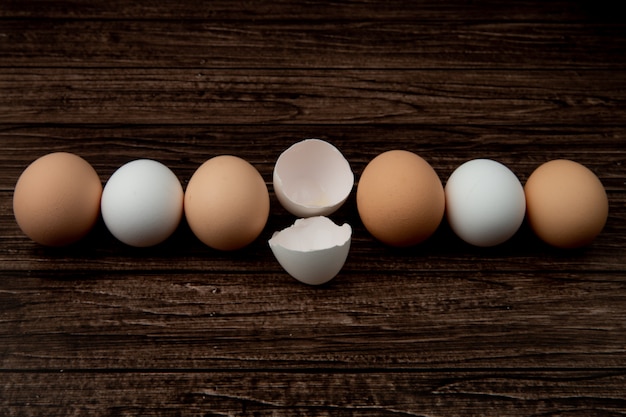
{"x": 312, "y": 178}
{"x": 313, "y": 250}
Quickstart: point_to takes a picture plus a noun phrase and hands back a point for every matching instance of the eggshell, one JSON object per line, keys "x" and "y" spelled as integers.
{"x": 566, "y": 204}
{"x": 400, "y": 198}
{"x": 142, "y": 203}
{"x": 227, "y": 203}
{"x": 313, "y": 250}
{"x": 57, "y": 199}
{"x": 312, "y": 178}
{"x": 485, "y": 202}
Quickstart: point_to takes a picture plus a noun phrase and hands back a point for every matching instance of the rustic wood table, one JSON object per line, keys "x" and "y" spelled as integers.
{"x": 439, "y": 329}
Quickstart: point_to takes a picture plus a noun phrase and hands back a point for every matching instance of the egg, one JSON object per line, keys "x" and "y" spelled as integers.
{"x": 485, "y": 202}
{"x": 142, "y": 203}
{"x": 227, "y": 203}
{"x": 312, "y": 178}
{"x": 313, "y": 250}
{"x": 400, "y": 198}
{"x": 57, "y": 199}
{"x": 566, "y": 204}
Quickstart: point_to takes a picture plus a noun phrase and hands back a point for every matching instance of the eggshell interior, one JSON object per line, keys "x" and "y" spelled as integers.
{"x": 313, "y": 250}
{"x": 312, "y": 178}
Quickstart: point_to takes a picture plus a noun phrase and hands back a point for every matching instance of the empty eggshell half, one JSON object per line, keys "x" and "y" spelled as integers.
{"x": 312, "y": 178}
{"x": 313, "y": 250}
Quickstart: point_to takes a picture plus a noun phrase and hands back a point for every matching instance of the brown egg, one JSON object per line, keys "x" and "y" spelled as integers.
{"x": 400, "y": 198}
{"x": 227, "y": 203}
{"x": 566, "y": 204}
{"x": 57, "y": 199}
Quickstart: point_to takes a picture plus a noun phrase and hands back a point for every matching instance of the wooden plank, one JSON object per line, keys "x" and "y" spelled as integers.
{"x": 311, "y": 44}
{"x": 397, "y": 10}
{"x": 528, "y": 393}
{"x": 185, "y": 147}
{"x": 404, "y": 319}
{"x": 173, "y": 96}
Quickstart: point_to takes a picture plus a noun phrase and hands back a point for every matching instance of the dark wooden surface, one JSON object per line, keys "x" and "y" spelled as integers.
{"x": 440, "y": 329}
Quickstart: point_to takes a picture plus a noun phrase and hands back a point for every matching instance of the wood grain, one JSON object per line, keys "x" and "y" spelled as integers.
{"x": 185, "y": 147}
{"x": 529, "y": 393}
{"x": 362, "y": 10}
{"x": 440, "y": 329}
{"x": 310, "y": 44}
{"x": 131, "y": 96}
{"x": 265, "y": 319}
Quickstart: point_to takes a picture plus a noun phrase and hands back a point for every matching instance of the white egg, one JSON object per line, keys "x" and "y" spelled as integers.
{"x": 312, "y": 250}
{"x": 142, "y": 203}
{"x": 312, "y": 178}
{"x": 485, "y": 202}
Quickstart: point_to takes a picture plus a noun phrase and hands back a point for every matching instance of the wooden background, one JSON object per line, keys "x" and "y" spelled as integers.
{"x": 440, "y": 329}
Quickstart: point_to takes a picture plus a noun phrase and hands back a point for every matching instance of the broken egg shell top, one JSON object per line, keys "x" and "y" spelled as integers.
{"x": 312, "y": 178}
